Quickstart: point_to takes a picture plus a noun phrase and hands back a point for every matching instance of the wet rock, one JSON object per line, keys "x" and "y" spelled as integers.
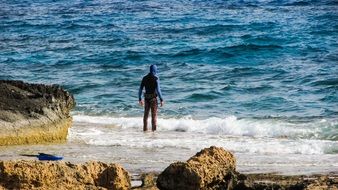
{"x": 211, "y": 168}
{"x": 33, "y": 113}
{"x": 62, "y": 175}
{"x": 282, "y": 182}
{"x": 148, "y": 182}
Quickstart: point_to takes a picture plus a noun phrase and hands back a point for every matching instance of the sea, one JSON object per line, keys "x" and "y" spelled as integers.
{"x": 256, "y": 77}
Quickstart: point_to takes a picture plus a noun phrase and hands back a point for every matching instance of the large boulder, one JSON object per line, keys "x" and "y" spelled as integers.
{"x": 211, "y": 168}
{"x": 33, "y": 113}
{"x": 62, "y": 175}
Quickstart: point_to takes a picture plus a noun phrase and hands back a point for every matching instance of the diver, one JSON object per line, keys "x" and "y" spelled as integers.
{"x": 151, "y": 82}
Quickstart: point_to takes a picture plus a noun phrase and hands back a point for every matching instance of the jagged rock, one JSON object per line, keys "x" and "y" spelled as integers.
{"x": 148, "y": 182}
{"x": 211, "y": 168}
{"x": 62, "y": 175}
{"x": 33, "y": 113}
{"x": 282, "y": 182}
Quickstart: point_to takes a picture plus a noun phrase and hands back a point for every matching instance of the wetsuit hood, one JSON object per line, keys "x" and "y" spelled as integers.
{"x": 153, "y": 70}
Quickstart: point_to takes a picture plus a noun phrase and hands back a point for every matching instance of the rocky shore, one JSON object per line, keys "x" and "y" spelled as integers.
{"x": 33, "y": 113}
{"x": 263, "y": 182}
{"x": 210, "y": 169}
{"x": 62, "y": 175}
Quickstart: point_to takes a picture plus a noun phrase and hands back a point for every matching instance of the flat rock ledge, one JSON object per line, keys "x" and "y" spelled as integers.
{"x": 62, "y": 175}
{"x": 211, "y": 168}
{"x": 33, "y": 113}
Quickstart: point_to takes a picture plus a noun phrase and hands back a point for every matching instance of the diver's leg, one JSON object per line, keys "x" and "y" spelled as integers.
{"x": 154, "y": 114}
{"x": 146, "y": 114}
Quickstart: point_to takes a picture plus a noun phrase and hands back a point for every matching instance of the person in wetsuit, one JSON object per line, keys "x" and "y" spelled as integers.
{"x": 151, "y": 83}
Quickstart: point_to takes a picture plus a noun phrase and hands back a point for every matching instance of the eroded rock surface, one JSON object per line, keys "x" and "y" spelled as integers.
{"x": 33, "y": 113}
{"x": 62, "y": 175}
{"x": 208, "y": 169}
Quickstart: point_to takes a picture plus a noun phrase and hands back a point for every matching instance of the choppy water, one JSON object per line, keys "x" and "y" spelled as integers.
{"x": 257, "y": 77}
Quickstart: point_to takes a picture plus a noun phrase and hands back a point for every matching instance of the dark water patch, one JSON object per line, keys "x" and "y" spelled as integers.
{"x": 63, "y": 64}
{"x": 20, "y": 25}
{"x": 258, "y": 89}
{"x": 267, "y": 102}
{"x": 246, "y": 72}
{"x": 103, "y": 42}
{"x": 190, "y": 52}
{"x": 332, "y": 57}
{"x": 298, "y": 3}
{"x": 226, "y": 87}
{"x": 113, "y": 66}
{"x": 74, "y": 26}
{"x": 215, "y": 93}
{"x": 305, "y": 80}
{"x": 61, "y": 40}
{"x": 331, "y": 112}
{"x": 104, "y": 96}
{"x": 331, "y": 2}
{"x": 323, "y": 32}
{"x": 6, "y": 77}
{"x": 306, "y": 3}
{"x": 253, "y": 47}
{"x": 264, "y": 39}
{"x": 62, "y": 47}
{"x": 202, "y": 30}
{"x": 80, "y": 88}
{"x": 216, "y": 29}
{"x": 228, "y": 52}
{"x": 201, "y": 52}
{"x": 9, "y": 60}
{"x": 201, "y": 97}
{"x": 246, "y": 36}
{"x": 327, "y": 82}
{"x": 278, "y": 74}
{"x": 329, "y": 16}
{"x": 262, "y": 26}
{"x": 134, "y": 55}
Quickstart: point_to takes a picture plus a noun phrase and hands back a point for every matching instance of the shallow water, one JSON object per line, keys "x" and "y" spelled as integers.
{"x": 116, "y": 141}
{"x": 256, "y": 77}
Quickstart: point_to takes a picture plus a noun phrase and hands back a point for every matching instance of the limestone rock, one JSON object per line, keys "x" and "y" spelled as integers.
{"x": 33, "y": 113}
{"x": 62, "y": 175}
{"x": 210, "y": 168}
{"x": 148, "y": 182}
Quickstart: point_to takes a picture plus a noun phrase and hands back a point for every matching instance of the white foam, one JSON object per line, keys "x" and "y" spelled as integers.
{"x": 221, "y": 126}
{"x": 263, "y": 136}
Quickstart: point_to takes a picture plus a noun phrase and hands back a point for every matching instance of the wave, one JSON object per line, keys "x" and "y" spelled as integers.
{"x": 253, "y": 136}
{"x": 251, "y": 127}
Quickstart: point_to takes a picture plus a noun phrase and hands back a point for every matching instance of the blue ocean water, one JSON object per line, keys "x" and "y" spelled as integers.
{"x": 245, "y": 68}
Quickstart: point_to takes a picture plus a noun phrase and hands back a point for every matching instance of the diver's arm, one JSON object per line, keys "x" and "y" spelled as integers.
{"x": 140, "y": 93}
{"x": 158, "y": 89}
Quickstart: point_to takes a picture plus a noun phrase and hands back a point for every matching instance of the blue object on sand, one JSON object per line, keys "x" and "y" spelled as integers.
{"x": 43, "y": 156}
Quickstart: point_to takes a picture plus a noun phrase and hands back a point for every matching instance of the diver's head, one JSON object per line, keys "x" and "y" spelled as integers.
{"x": 153, "y": 69}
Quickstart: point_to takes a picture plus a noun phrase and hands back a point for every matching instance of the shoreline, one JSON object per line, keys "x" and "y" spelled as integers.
{"x": 81, "y": 153}
{"x": 23, "y": 174}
